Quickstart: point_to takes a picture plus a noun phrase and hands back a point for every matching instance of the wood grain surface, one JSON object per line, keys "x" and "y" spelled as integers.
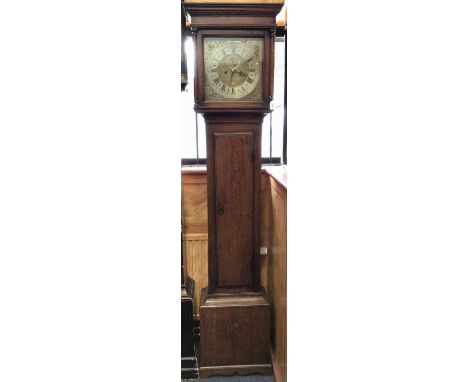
{"x": 234, "y": 226}
{"x": 277, "y": 272}
{"x": 196, "y": 265}
{"x": 234, "y": 330}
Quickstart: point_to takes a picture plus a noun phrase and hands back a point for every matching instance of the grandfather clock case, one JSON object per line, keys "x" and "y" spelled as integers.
{"x": 234, "y": 62}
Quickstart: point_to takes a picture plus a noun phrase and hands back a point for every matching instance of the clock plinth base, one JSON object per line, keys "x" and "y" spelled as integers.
{"x": 234, "y": 334}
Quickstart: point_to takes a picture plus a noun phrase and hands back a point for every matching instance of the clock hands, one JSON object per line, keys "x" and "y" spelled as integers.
{"x": 233, "y": 67}
{"x": 240, "y": 72}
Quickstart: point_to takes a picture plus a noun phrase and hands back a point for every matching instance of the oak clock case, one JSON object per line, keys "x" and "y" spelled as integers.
{"x": 233, "y": 87}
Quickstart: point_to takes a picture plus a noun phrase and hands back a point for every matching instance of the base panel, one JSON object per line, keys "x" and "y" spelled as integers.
{"x": 235, "y": 334}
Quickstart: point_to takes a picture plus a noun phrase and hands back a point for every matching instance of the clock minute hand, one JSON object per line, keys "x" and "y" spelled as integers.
{"x": 230, "y": 78}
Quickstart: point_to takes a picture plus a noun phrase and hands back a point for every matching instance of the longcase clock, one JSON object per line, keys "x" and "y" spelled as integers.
{"x": 234, "y": 61}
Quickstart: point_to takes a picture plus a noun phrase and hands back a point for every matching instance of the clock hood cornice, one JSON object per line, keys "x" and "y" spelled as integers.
{"x": 233, "y": 15}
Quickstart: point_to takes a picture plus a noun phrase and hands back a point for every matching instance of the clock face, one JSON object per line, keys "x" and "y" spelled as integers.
{"x": 233, "y": 68}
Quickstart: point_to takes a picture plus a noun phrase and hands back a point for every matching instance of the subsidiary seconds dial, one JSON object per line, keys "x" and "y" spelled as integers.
{"x": 233, "y": 68}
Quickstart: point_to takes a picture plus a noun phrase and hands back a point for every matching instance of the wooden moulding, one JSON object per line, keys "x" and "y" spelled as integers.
{"x": 235, "y": 334}
{"x": 234, "y": 1}
{"x": 233, "y": 15}
{"x": 205, "y": 372}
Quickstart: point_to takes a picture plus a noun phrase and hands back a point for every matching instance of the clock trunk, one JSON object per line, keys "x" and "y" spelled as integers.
{"x": 234, "y": 165}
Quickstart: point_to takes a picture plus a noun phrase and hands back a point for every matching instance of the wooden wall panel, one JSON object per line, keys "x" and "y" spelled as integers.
{"x": 195, "y": 232}
{"x": 265, "y": 218}
{"x": 196, "y": 264}
{"x": 194, "y": 203}
{"x": 277, "y": 268}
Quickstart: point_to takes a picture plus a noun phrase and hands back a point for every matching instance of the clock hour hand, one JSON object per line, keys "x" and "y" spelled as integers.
{"x": 240, "y": 72}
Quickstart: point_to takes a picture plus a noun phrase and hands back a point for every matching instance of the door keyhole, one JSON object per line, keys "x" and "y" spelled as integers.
{"x": 220, "y": 210}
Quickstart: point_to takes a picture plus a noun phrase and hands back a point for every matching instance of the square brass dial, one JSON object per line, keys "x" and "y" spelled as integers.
{"x": 233, "y": 68}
